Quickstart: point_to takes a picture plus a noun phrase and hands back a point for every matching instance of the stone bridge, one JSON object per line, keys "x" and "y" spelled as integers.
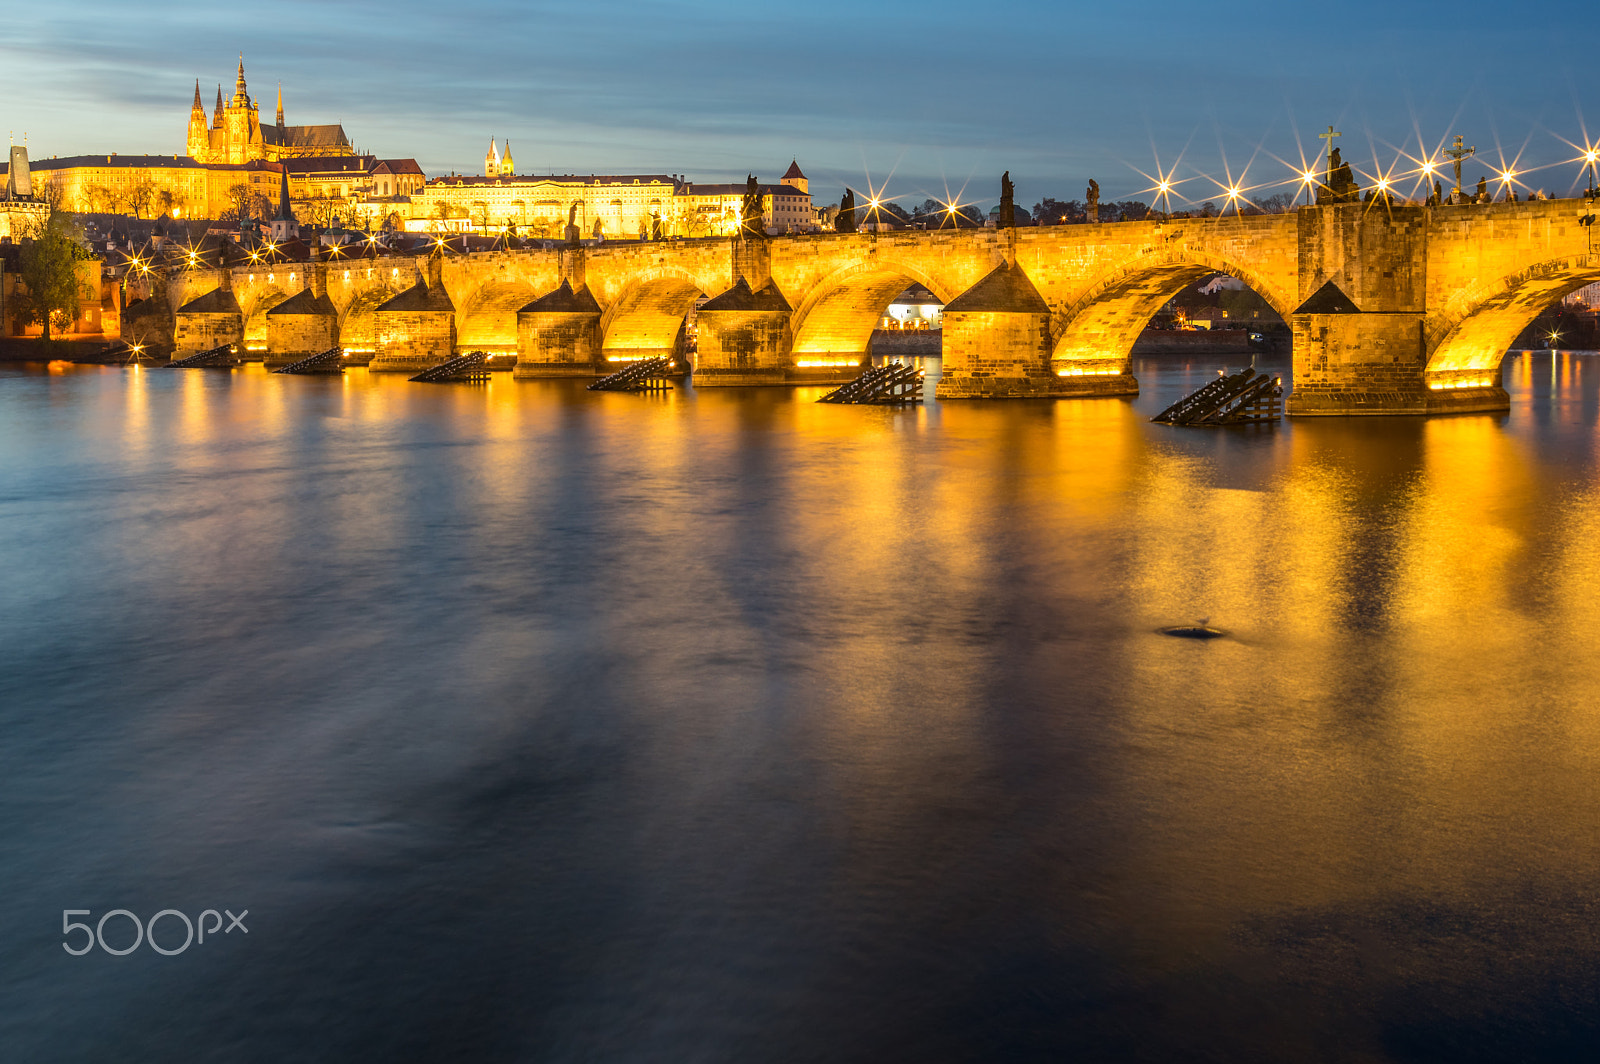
{"x": 1394, "y": 310}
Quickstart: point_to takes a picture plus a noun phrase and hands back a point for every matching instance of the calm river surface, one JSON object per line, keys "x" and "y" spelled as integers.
{"x": 531, "y": 723}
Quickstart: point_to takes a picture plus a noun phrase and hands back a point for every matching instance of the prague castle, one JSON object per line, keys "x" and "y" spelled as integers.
{"x": 231, "y": 160}
{"x": 235, "y": 135}
{"x": 235, "y": 165}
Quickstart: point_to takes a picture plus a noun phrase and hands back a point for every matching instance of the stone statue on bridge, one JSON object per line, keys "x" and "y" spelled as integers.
{"x": 752, "y": 224}
{"x": 845, "y": 221}
{"x": 573, "y": 235}
{"x": 1091, "y": 198}
{"x": 1340, "y": 187}
{"x": 1008, "y": 205}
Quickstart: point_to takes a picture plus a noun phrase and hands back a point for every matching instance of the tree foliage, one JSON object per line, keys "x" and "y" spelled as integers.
{"x": 1058, "y": 212}
{"x": 50, "y": 272}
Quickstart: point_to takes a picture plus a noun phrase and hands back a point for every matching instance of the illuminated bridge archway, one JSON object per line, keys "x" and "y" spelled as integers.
{"x": 1469, "y": 342}
{"x": 487, "y": 319}
{"x": 834, "y": 323}
{"x": 1097, "y": 331}
{"x": 647, "y": 315}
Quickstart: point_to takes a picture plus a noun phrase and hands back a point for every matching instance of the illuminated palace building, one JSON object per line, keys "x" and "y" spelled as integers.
{"x": 613, "y": 206}
{"x": 231, "y": 158}
{"x": 234, "y": 163}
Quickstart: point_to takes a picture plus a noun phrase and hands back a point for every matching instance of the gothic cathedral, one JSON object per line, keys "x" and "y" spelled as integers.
{"x": 235, "y": 134}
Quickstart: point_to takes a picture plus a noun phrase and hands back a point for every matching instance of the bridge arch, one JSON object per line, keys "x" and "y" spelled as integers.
{"x": 255, "y": 316}
{"x": 645, "y": 318}
{"x": 487, "y": 319}
{"x": 358, "y": 325}
{"x": 1104, "y": 321}
{"x": 1468, "y": 341}
{"x": 839, "y": 312}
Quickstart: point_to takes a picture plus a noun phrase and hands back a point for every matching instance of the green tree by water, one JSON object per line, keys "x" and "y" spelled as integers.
{"x": 50, "y": 272}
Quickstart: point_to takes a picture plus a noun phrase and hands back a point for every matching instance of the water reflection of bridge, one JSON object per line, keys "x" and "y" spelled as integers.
{"x": 1398, "y": 311}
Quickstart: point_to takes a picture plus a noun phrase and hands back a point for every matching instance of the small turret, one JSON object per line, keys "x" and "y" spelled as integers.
{"x": 795, "y": 179}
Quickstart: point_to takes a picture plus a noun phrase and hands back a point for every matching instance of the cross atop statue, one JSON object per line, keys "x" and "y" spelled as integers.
{"x": 1458, "y": 153}
{"x": 1328, "y": 136}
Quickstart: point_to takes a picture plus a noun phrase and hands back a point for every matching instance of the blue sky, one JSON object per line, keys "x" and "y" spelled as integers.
{"x": 936, "y": 94}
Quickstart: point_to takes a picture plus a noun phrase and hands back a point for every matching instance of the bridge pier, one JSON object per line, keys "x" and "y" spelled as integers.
{"x": 303, "y": 325}
{"x": 997, "y": 345}
{"x": 417, "y": 328}
{"x": 1361, "y": 335}
{"x": 558, "y": 335}
{"x": 744, "y": 338}
{"x": 1376, "y": 364}
{"x": 209, "y": 320}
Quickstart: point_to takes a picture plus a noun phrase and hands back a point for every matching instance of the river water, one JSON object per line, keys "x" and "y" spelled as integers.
{"x": 530, "y": 723}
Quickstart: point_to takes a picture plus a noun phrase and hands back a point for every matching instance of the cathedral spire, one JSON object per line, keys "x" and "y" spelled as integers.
{"x": 216, "y": 119}
{"x": 238, "y": 85}
{"x": 280, "y": 105}
{"x": 198, "y": 106}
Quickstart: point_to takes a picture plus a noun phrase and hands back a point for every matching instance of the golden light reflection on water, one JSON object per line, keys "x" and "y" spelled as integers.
{"x": 1407, "y": 696}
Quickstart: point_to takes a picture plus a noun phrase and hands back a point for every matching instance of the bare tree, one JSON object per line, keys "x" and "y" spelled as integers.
{"x": 139, "y": 194}
{"x": 239, "y": 197}
{"x": 1278, "y": 203}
